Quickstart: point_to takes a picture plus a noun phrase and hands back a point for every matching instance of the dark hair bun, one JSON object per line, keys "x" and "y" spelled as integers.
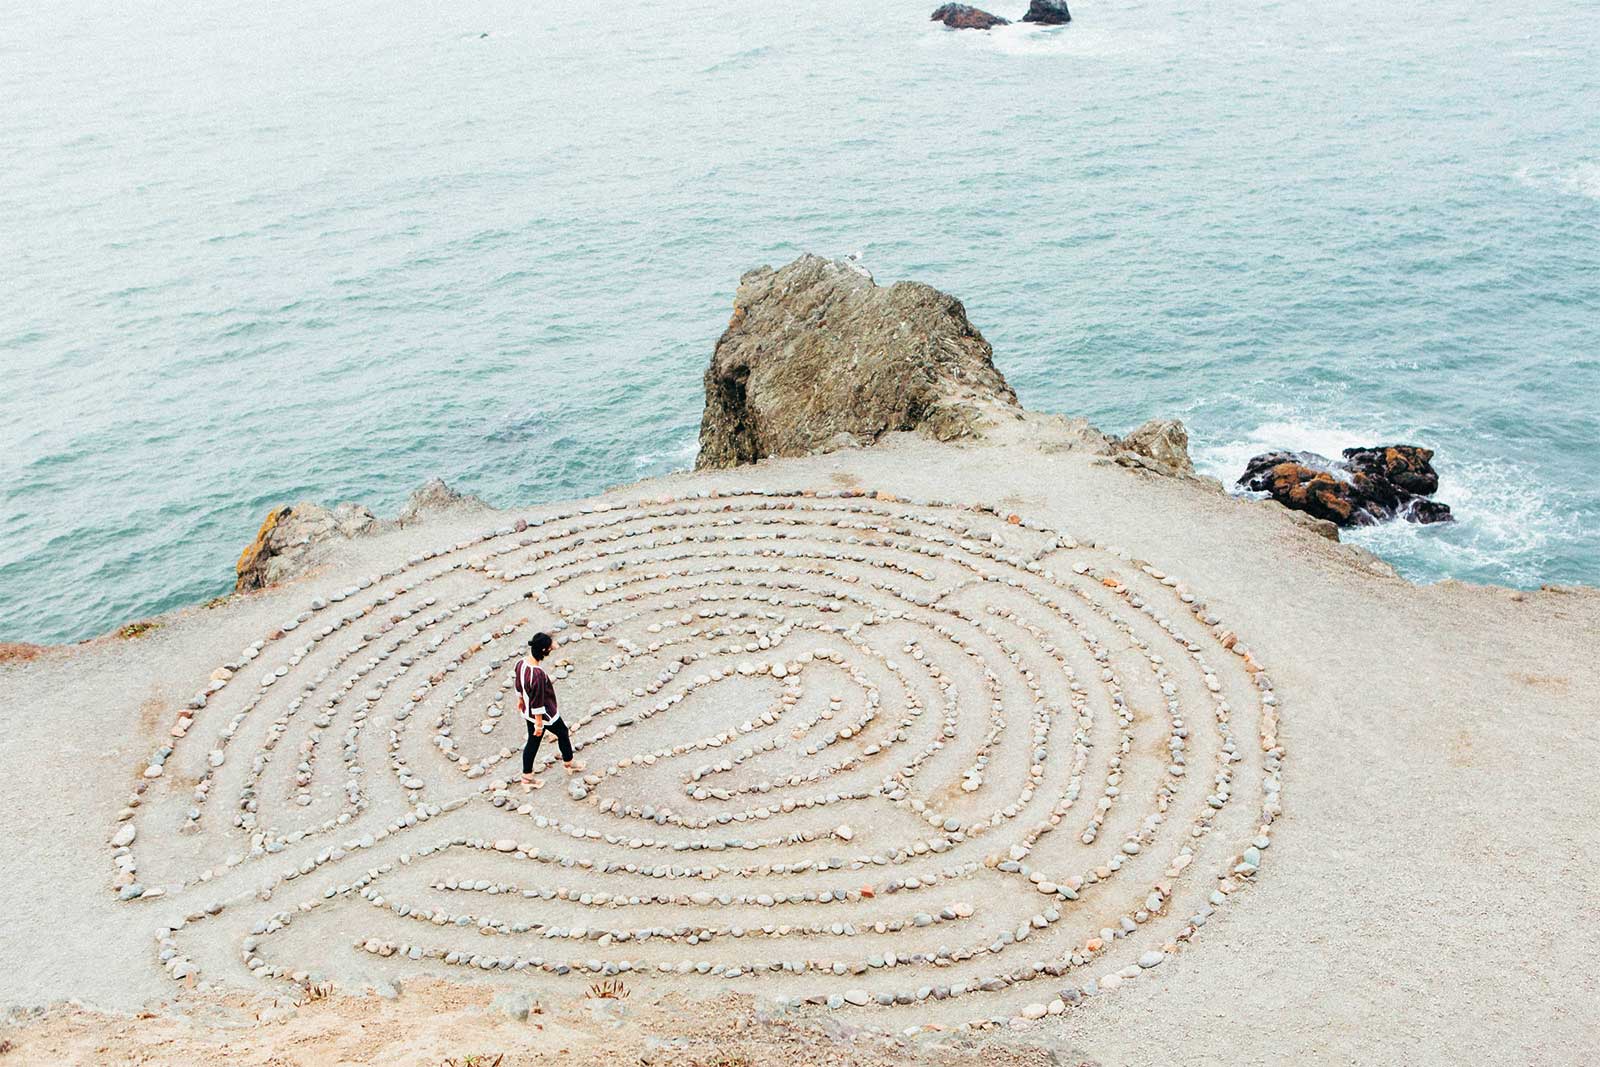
{"x": 541, "y": 645}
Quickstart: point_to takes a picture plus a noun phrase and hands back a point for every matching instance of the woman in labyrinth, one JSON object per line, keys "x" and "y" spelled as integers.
{"x": 536, "y": 699}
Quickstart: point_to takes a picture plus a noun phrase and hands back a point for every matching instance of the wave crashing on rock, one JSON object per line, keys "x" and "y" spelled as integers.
{"x": 1368, "y": 486}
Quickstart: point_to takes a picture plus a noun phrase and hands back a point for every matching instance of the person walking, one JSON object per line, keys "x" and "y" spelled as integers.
{"x": 536, "y": 700}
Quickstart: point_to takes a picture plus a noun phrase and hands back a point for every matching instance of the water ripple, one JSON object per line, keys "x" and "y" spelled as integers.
{"x": 302, "y": 251}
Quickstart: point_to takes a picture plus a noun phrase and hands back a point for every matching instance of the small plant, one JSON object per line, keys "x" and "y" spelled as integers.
{"x": 217, "y": 601}
{"x": 315, "y": 991}
{"x": 477, "y": 1059}
{"x": 6, "y": 1046}
{"x": 137, "y": 629}
{"x": 610, "y": 989}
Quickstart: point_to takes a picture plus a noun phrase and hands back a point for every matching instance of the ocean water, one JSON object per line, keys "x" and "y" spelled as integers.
{"x": 257, "y": 253}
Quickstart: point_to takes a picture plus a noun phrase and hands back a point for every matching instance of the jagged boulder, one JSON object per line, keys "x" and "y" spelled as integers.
{"x": 1162, "y": 442}
{"x": 1048, "y": 12}
{"x": 290, "y": 538}
{"x": 295, "y": 538}
{"x": 434, "y": 495}
{"x": 1071, "y": 433}
{"x": 966, "y": 17}
{"x": 817, "y": 355}
{"x": 1367, "y": 486}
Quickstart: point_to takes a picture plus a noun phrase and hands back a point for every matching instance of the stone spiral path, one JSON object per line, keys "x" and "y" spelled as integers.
{"x": 840, "y": 749}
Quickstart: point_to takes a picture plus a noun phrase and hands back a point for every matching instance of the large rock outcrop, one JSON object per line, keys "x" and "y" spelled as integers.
{"x": 817, "y": 355}
{"x": 1048, "y": 12}
{"x": 296, "y": 537}
{"x": 1160, "y": 445}
{"x": 434, "y": 496}
{"x": 1368, "y": 486}
{"x": 966, "y": 17}
{"x": 291, "y": 535}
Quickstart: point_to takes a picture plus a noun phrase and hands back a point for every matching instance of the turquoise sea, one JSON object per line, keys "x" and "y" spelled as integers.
{"x": 253, "y": 253}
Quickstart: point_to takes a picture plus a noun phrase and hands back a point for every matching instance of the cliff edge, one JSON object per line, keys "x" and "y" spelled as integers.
{"x": 297, "y": 537}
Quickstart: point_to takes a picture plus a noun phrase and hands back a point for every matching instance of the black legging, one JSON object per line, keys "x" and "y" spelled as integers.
{"x": 531, "y": 749}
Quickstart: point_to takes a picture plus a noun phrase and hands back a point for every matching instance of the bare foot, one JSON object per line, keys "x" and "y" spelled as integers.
{"x": 574, "y": 766}
{"x": 530, "y": 783}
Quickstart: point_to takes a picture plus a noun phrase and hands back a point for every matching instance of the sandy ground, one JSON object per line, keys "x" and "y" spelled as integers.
{"x": 437, "y": 1023}
{"x": 1430, "y": 895}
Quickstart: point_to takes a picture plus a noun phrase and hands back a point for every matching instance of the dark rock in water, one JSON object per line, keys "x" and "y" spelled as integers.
{"x": 817, "y": 357}
{"x": 1366, "y": 487}
{"x": 966, "y": 17}
{"x": 1410, "y": 468}
{"x": 1048, "y": 12}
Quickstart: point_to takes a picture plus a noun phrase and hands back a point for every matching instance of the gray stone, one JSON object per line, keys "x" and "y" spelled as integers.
{"x": 292, "y": 540}
{"x": 514, "y": 1004}
{"x": 1165, "y": 442}
{"x": 433, "y": 496}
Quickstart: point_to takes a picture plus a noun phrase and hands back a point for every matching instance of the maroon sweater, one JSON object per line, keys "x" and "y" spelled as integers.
{"x": 534, "y": 690}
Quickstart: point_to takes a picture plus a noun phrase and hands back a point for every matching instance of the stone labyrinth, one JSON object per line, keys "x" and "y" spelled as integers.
{"x": 840, "y": 749}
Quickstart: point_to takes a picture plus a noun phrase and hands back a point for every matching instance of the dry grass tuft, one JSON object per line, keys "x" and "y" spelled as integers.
{"x": 610, "y": 989}
{"x": 152, "y": 713}
{"x": 1552, "y": 683}
{"x": 312, "y": 992}
{"x": 138, "y": 629}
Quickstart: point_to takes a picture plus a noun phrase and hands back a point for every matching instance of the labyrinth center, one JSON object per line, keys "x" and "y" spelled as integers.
{"x": 839, "y": 749}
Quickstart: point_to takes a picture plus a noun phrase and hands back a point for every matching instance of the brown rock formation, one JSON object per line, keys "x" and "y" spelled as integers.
{"x": 1408, "y": 467}
{"x": 817, "y": 356}
{"x": 966, "y": 17}
{"x": 294, "y": 538}
{"x": 1369, "y": 486}
{"x": 290, "y": 536}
